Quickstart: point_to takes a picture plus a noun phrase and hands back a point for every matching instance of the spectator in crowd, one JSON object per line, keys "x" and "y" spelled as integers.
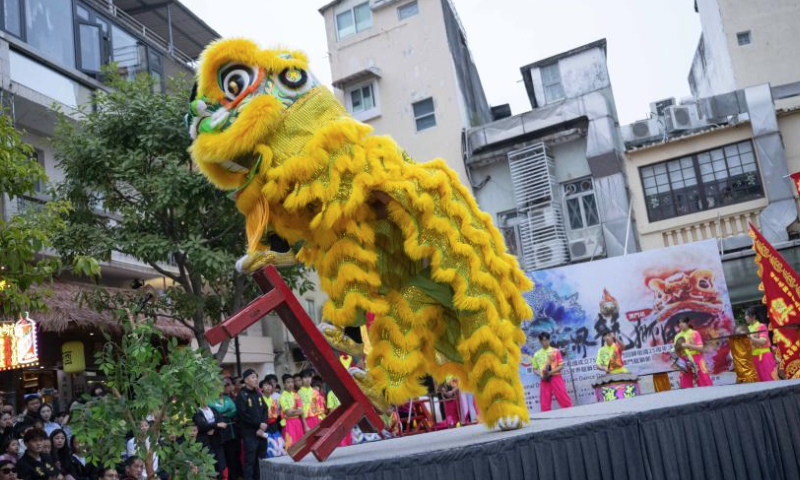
{"x": 231, "y": 444}
{"x": 6, "y": 426}
{"x": 210, "y": 426}
{"x": 47, "y": 445}
{"x": 99, "y": 390}
{"x": 275, "y": 445}
{"x": 33, "y": 402}
{"x": 134, "y": 468}
{"x": 61, "y": 455}
{"x": 134, "y": 450}
{"x": 252, "y": 417}
{"x": 8, "y": 471}
{"x": 10, "y": 450}
{"x": 81, "y": 469}
{"x": 107, "y": 473}
{"x": 46, "y": 415}
{"x": 237, "y": 385}
{"x": 35, "y": 464}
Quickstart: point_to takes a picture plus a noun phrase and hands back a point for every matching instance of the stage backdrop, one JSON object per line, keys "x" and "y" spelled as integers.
{"x": 640, "y": 297}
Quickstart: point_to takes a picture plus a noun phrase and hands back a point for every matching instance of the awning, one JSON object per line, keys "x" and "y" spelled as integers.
{"x": 367, "y": 73}
{"x": 741, "y": 277}
{"x": 190, "y": 34}
{"x": 67, "y": 312}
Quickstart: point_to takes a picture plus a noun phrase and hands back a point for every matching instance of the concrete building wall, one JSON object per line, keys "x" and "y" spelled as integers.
{"x": 581, "y": 73}
{"x": 414, "y": 63}
{"x": 570, "y": 160}
{"x": 772, "y": 56}
{"x": 789, "y": 124}
{"x": 712, "y": 68}
{"x": 721, "y": 64}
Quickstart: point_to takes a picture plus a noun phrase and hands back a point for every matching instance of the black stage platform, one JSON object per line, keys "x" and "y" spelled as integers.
{"x": 746, "y": 432}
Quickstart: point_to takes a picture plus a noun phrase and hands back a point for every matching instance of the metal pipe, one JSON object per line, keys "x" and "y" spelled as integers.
{"x": 169, "y": 28}
{"x": 238, "y": 355}
{"x": 628, "y": 227}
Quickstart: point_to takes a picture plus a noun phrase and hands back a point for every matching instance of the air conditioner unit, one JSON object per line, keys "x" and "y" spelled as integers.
{"x": 657, "y": 107}
{"x": 586, "y": 248}
{"x": 548, "y": 255}
{"x": 641, "y": 132}
{"x": 543, "y": 218}
{"x": 682, "y": 118}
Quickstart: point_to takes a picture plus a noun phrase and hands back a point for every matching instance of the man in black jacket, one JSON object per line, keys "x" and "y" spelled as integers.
{"x": 251, "y": 412}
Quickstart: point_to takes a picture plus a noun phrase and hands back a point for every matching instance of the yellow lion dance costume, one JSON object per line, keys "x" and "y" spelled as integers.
{"x": 403, "y": 240}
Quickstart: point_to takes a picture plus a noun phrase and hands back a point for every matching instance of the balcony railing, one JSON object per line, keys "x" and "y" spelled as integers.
{"x": 720, "y": 227}
{"x": 135, "y": 26}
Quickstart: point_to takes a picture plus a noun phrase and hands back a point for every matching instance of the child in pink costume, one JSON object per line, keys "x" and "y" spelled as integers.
{"x": 763, "y": 358}
{"x": 691, "y": 351}
{"x": 293, "y": 421}
{"x": 547, "y": 364}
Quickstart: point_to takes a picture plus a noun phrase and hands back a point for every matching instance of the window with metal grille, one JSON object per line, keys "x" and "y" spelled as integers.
{"x": 551, "y": 79}
{"x": 581, "y": 204}
{"x": 703, "y": 181}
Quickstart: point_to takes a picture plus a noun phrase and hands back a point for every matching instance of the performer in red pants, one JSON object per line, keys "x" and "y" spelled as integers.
{"x": 547, "y": 364}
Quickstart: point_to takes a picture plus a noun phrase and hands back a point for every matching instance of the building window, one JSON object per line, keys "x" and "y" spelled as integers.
{"x": 38, "y": 155}
{"x": 12, "y": 17}
{"x": 743, "y": 38}
{"x": 354, "y": 20}
{"x": 93, "y": 33}
{"x": 581, "y": 204}
{"x": 424, "y": 114}
{"x": 707, "y": 180}
{"x": 551, "y": 79}
{"x": 362, "y": 98}
{"x": 48, "y": 28}
{"x": 508, "y": 223}
{"x": 407, "y": 10}
{"x": 155, "y": 67}
{"x": 126, "y": 52}
{"x": 311, "y": 310}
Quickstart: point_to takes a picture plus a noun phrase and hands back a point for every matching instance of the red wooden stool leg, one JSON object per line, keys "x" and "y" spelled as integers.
{"x": 355, "y": 407}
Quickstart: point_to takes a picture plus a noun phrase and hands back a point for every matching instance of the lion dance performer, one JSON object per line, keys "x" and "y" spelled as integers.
{"x": 401, "y": 240}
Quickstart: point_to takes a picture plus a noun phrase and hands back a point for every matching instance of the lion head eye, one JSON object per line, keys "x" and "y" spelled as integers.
{"x": 235, "y": 78}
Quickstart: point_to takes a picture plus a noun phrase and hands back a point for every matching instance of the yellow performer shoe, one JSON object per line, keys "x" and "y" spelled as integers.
{"x": 364, "y": 382}
{"x": 339, "y": 341}
{"x": 261, "y": 258}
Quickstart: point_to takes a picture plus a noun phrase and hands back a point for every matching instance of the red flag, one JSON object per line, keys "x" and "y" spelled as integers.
{"x": 796, "y": 179}
{"x": 781, "y": 287}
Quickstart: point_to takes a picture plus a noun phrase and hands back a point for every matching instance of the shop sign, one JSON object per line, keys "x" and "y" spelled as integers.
{"x": 18, "y": 344}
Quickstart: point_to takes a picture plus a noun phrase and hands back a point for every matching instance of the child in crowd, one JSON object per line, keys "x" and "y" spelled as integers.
{"x": 319, "y": 388}
{"x": 10, "y": 450}
{"x": 275, "y": 443}
{"x": 293, "y": 423}
{"x": 309, "y": 397}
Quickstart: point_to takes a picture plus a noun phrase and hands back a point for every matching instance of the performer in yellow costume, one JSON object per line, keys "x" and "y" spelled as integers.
{"x": 402, "y": 240}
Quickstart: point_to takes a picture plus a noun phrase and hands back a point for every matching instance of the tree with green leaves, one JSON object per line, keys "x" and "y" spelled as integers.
{"x": 29, "y": 229}
{"x": 134, "y": 189}
{"x": 150, "y": 378}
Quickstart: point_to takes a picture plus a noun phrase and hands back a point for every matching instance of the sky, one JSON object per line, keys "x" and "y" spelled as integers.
{"x": 650, "y": 42}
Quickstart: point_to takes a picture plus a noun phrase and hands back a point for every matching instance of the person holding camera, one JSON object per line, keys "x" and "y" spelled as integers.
{"x": 547, "y": 364}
